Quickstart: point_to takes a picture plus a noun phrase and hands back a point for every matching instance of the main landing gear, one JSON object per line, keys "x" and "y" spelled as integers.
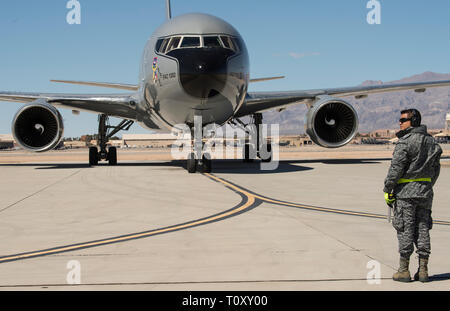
{"x": 107, "y": 154}
{"x": 254, "y": 148}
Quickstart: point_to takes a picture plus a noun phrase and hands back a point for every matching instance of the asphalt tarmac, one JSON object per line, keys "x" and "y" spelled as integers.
{"x": 149, "y": 225}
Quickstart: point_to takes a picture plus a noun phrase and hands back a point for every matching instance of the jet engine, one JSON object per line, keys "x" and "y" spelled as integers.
{"x": 38, "y": 126}
{"x": 331, "y": 122}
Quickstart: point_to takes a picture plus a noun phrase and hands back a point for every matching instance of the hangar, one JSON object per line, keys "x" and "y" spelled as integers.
{"x": 6, "y": 141}
{"x": 148, "y": 140}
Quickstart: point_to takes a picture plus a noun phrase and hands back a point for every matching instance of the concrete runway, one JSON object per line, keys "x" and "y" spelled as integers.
{"x": 309, "y": 225}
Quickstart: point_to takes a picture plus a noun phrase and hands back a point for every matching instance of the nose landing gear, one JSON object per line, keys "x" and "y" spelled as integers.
{"x": 202, "y": 166}
{"x": 198, "y": 161}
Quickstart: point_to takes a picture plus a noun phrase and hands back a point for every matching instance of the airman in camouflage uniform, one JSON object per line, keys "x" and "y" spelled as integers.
{"x": 413, "y": 172}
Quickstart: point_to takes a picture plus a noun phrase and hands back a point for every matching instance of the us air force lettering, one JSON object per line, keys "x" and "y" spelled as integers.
{"x": 194, "y": 65}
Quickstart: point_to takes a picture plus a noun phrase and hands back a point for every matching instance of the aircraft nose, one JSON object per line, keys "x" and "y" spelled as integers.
{"x": 201, "y": 67}
{"x": 203, "y": 71}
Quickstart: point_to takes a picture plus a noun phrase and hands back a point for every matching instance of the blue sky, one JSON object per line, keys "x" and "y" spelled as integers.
{"x": 314, "y": 43}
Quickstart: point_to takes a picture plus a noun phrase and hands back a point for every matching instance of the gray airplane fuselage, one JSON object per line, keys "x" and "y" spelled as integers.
{"x": 192, "y": 65}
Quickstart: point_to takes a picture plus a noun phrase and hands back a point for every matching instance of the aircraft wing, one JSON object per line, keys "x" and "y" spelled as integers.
{"x": 121, "y": 86}
{"x": 121, "y": 105}
{"x": 262, "y": 101}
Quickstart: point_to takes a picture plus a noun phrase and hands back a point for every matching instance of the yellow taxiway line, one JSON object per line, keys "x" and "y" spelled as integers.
{"x": 249, "y": 201}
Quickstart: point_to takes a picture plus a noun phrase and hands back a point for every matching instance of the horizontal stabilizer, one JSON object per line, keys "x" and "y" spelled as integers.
{"x": 266, "y": 79}
{"x": 121, "y": 86}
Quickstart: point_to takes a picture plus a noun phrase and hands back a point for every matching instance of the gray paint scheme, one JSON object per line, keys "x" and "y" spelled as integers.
{"x": 163, "y": 103}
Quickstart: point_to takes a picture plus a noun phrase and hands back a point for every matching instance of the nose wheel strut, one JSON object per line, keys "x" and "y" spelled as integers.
{"x": 198, "y": 161}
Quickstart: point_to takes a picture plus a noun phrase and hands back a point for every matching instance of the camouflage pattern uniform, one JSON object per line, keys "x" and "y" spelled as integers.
{"x": 416, "y": 155}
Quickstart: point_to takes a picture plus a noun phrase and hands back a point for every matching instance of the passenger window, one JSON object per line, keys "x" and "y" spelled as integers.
{"x": 173, "y": 44}
{"x": 189, "y": 42}
{"x": 211, "y": 42}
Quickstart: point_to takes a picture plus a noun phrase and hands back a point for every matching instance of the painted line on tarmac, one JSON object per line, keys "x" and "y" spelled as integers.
{"x": 250, "y": 200}
{"x": 59, "y": 181}
{"x": 265, "y": 199}
{"x": 247, "y": 203}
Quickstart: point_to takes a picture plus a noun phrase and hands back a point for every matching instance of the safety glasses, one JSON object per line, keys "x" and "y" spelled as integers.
{"x": 403, "y": 120}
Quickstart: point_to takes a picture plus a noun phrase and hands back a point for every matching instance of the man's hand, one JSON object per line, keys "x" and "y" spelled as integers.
{"x": 389, "y": 198}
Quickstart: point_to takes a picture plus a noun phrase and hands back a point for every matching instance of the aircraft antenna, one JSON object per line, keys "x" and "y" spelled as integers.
{"x": 168, "y": 10}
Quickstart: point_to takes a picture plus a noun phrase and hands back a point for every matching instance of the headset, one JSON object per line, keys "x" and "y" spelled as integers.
{"x": 416, "y": 118}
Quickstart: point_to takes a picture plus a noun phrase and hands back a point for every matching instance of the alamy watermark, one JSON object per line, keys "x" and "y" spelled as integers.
{"x": 374, "y": 15}
{"x": 213, "y": 141}
{"x": 374, "y": 274}
{"x": 73, "y": 17}
{"x": 74, "y": 275}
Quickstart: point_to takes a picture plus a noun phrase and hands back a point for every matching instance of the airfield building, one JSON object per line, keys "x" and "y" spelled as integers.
{"x": 6, "y": 141}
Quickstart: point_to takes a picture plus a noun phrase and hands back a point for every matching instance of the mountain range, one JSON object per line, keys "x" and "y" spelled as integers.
{"x": 380, "y": 111}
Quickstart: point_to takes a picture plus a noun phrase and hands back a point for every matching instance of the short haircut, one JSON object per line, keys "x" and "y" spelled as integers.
{"x": 407, "y": 111}
{"x": 414, "y": 115}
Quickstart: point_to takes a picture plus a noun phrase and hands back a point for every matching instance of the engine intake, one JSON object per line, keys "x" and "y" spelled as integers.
{"x": 331, "y": 122}
{"x": 38, "y": 126}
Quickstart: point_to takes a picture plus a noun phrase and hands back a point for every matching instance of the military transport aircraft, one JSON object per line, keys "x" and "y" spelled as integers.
{"x": 194, "y": 65}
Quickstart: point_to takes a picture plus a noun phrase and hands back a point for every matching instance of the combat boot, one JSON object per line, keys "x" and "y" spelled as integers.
{"x": 422, "y": 273}
{"x": 403, "y": 274}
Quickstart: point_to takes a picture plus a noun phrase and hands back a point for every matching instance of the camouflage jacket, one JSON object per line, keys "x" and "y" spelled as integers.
{"x": 416, "y": 155}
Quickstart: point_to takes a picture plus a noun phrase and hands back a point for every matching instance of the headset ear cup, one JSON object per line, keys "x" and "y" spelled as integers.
{"x": 415, "y": 118}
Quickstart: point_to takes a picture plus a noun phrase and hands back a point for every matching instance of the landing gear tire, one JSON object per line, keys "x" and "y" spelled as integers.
{"x": 267, "y": 157}
{"x": 248, "y": 152}
{"x": 112, "y": 156}
{"x": 93, "y": 156}
{"x": 206, "y": 166}
{"x": 191, "y": 163}
{"x": 104, "y": 134}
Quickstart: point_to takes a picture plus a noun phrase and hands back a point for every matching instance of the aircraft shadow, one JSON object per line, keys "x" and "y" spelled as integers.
{"x": 219, "y": 166}
{"x": 342, "y": 161}
{"x": 440, "y": 277}
{"x": 239, "y": 167}
{"x": 53, "y": 166}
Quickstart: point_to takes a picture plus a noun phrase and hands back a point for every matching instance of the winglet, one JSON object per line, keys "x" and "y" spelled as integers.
{"x": 266, "y": 79}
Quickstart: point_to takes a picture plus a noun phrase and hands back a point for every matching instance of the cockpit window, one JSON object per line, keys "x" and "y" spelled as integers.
{"x": 161, "y": 47}
{"x": 211, "y": 42}
{"x": 173, "y": 44}
{"x": 158, "y": 44}
{"x": 190, "y": 42}
{"x": 225, "y": 42}
{"x": 165, "y": 45}
{"x": 237, "y": 44}
{"x": 228, "y": 43}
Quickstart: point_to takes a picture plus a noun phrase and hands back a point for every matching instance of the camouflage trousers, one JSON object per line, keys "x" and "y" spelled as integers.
{"x": 412, "y": 220}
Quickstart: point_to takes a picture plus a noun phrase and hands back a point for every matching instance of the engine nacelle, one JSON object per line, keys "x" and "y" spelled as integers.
{"x": 38, "y": 126}
{"x": 331, "y": 122}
